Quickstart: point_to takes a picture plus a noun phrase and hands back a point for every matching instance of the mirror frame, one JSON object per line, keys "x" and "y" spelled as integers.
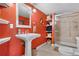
{"x": 17, "y": 19}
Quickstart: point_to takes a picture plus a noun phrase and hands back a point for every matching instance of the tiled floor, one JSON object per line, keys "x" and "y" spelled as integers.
{"x": 47, "y": 50}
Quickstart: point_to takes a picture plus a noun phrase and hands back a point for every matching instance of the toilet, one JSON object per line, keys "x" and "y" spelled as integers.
{"x": 67, "y": 49}
{"x": 77, "y": 50}
{"x": 76, "y": 53}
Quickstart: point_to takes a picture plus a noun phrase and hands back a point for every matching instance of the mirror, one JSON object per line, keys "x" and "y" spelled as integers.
{"x": 23, "y": 15}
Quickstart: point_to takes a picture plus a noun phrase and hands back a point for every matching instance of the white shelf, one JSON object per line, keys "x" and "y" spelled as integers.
{"x": 48, "y": 25}
{"x": 3, "y": 40}
{"x": 48, "y": 37}
{"x": 2, "y": 21}
{"x": 4, "y": 4}
{"x": 49, "y": 31}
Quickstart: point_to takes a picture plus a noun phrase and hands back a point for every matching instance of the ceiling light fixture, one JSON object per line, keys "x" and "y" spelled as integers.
{"x": 34, "y": 10}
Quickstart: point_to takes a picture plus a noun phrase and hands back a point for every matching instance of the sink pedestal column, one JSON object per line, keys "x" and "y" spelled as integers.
{"x": 28, "y": 39}
{"x": 28, "y": 48}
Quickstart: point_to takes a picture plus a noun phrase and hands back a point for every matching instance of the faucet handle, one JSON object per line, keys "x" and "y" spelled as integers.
{"x": 26, "y": 31}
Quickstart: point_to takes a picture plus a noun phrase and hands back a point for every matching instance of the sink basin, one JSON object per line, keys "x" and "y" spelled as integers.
{"x": 28, "y": 38}
{"x": 3, "y": 40}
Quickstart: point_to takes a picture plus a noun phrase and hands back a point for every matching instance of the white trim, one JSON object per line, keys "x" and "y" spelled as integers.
{"x": 17, "y": 22}
{"x": 41, "y": 45}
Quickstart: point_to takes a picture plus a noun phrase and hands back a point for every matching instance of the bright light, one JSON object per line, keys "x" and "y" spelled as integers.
{"x": 34, "y": 10}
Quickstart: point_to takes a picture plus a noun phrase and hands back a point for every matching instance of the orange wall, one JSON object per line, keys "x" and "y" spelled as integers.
{"x": 15, "y": 47}
{"x": 40, "y": 28}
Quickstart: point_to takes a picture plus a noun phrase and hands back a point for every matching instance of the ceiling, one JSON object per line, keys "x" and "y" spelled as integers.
{"x": 58, "y": 8}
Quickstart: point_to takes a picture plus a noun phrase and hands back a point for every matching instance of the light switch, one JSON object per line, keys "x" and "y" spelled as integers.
{"x": 11, "y": 25}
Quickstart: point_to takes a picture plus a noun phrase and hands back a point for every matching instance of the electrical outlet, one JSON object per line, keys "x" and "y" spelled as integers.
{"x": 11, "y": 26}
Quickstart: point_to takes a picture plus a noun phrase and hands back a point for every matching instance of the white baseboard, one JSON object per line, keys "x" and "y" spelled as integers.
{"x": 41, "y": 45}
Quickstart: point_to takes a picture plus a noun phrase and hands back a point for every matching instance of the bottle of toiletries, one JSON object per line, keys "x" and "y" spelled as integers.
{"x": 34, "y": 28}
{"x": 19, "y": 31}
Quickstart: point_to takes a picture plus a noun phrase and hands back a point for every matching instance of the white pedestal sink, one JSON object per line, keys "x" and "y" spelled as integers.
{"x": 28, "y": 38}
